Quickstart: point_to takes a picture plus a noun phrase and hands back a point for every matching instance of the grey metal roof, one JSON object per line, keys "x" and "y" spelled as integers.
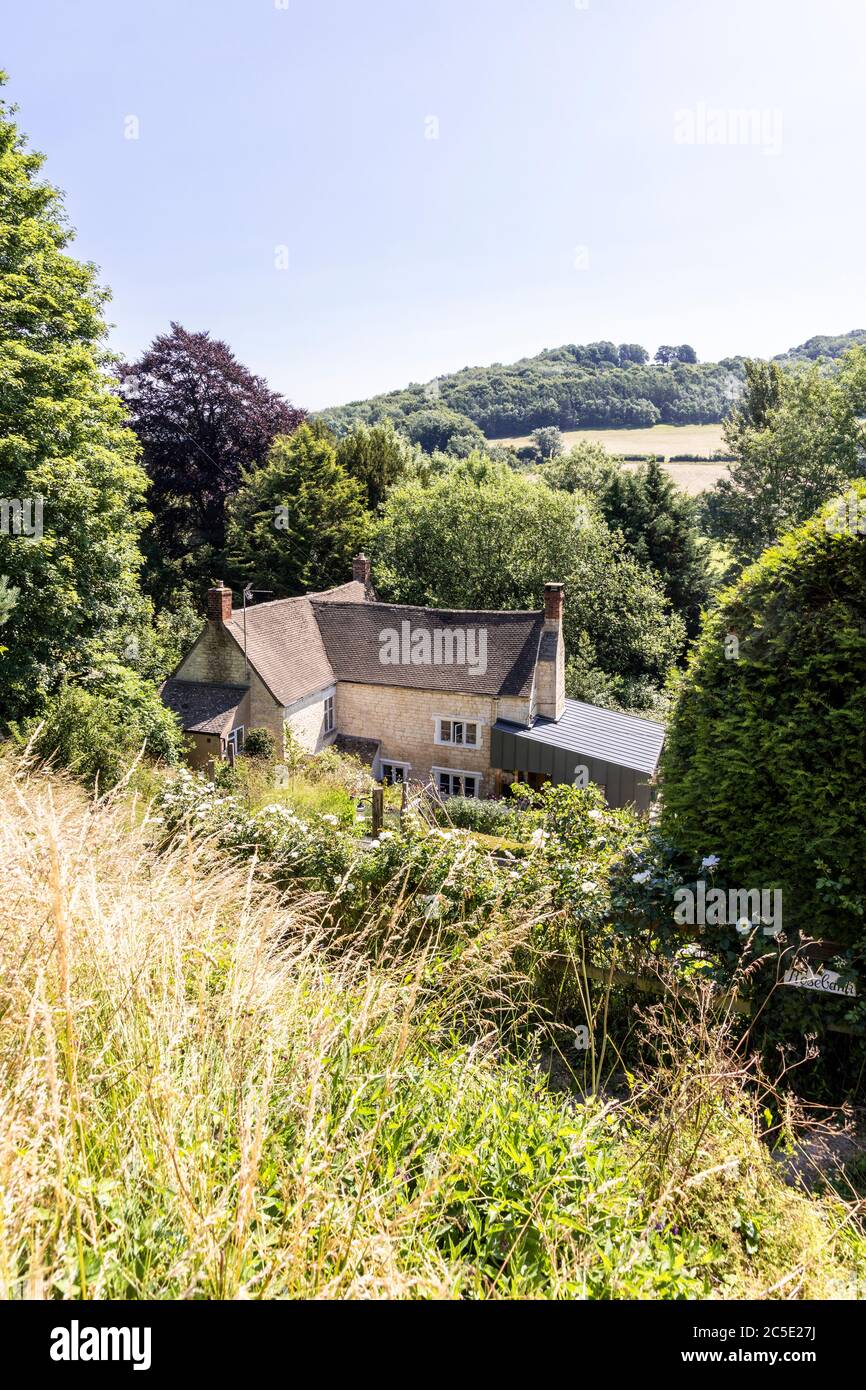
{"x": 622, "y": 739}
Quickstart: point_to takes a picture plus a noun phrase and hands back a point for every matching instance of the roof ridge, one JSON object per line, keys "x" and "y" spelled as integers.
{"x": 426, "y": 608}
{"x": 270, "y": 603}
{"x": 297, "y": 598}
{"x": 210, "y": 685}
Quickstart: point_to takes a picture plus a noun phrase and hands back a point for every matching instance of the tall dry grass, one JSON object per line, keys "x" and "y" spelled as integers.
{"x": 201, "y": 1097}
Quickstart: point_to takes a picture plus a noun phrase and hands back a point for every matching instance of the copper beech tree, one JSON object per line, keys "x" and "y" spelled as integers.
{"x": 203, "y": 420}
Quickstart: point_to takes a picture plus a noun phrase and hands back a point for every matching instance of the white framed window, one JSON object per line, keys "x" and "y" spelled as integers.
{"x": 236, "y": 738}
{"x": 449, "y": 782}
{"x": 458, "y": 733}
{"x": 392, "y": 773}
{"x": 329, "y": 715}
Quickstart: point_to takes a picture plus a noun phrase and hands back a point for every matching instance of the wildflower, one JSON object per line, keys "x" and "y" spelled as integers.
{"x": 642, "y": 878}
{"x": 588, "y": 886}
{"x": 744, "y": 926}
{"x": 710, "y": 861}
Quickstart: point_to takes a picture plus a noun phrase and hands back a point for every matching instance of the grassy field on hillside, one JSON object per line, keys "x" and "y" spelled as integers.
{"x": 692, "y": 477}
{"x": 663, "y": 440}
{"x": 203, "y": 1095}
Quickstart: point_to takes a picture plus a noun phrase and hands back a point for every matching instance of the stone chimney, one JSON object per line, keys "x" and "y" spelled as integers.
{"x": 219, "y": 603}
{"x": 361, "y": 570}
{"x": 550, "y": 667}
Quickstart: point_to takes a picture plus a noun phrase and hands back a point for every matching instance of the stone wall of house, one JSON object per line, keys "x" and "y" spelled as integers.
{"x": 201, "y": 748}
{"x": 514, "y": 708}
{"x": 404, "y": 723}
{"x": 550, "y": 677}
{"x": 217, "y": 658}
{"x": 306, "y": 719}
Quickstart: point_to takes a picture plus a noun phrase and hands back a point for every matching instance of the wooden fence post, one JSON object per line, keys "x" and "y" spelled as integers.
{"x": 378, "y": 802}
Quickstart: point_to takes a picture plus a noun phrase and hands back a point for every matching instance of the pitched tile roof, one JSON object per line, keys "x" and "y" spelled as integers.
{"x": 202, "y": 708}
{"x": 284, "y": 644}
{"x": 353, "y": 638}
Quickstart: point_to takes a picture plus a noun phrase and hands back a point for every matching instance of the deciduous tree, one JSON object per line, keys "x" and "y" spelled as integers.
{"x": 203, "y": 420}
{"x": 798, "y": 437}
{"x": 481, "y": 536}
{"x": 66, "y": 455}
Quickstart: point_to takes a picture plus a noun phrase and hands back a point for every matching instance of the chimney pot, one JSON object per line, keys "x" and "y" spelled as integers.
{"x": 219, "y": 603}
{"x": 361, "y": 569}
{"x": 553, "y": 601}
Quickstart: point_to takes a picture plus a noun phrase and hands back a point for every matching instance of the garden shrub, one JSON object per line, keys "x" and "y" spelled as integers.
{"x": 765, "y": 762}
{"x": 486, "y": 817}
{"x": 260, "y": 743}
{"x": 97, "y": 730}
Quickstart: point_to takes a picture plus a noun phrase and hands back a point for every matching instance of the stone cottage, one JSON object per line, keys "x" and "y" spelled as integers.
{"x": 468, "y": 700}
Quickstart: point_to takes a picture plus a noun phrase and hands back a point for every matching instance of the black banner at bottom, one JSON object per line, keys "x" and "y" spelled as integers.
{"x": 165, "y": 1340}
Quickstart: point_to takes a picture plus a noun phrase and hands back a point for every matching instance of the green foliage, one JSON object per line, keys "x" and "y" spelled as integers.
{"x": 824, "y": 346}
{"x": 587, "y": 467}
{"x": 8, "y": 599}
{"x": 655, "y": 518}
{"x": 548, "y": 442}
{"x": 765, "y": 763}
{"x": 797, "y": 438}
{"x": 684, "y": 353}
{"x": 596, "y": 384}
{"x": 310, "y": 799}
{"x": 599, "y": 886}
{"x": 440, "y": 428}
{"x": 63, "y": 440}
{"x": 260, "y": 743}
{"x": 350, "y": 1122}
{"x": 296, "y": 522}
{"x": 657, "y": 521}
{"x": 328, "y": 766}
{"x": 97, "y": 731}
{"x": 481, "y": 536}
{"x": 378, "y": 457}
{"x": 500, "y": 818}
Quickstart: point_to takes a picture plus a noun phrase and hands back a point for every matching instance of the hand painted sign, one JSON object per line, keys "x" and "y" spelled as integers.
{"x": 824, "y": 981}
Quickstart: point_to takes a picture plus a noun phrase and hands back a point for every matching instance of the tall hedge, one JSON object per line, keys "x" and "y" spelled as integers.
{"x": 765, "y": 763}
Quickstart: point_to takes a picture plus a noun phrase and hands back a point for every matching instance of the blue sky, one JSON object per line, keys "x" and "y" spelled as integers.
{"x": 588, "y": 179}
